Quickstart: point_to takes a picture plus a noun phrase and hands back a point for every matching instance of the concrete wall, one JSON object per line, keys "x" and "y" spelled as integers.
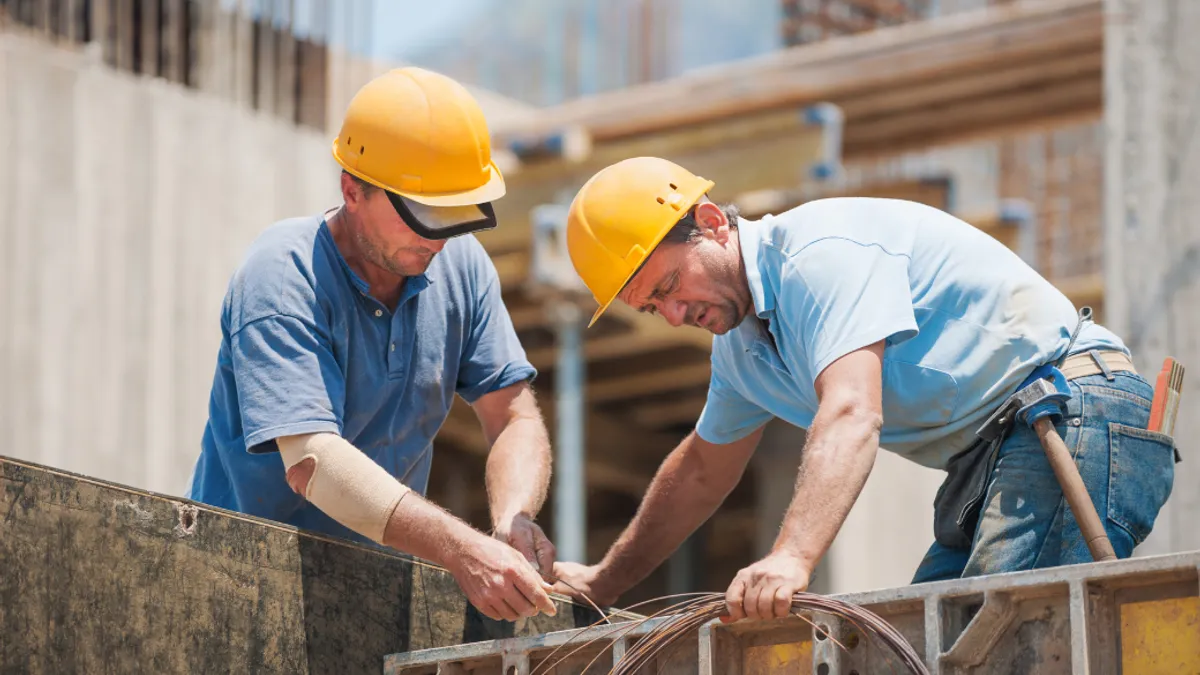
{"x": 1152, "y": 266}
{"x": 127, "y": 202}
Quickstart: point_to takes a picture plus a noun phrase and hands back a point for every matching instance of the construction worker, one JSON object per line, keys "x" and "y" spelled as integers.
{"x": 346, "y": 335}
{"x": 863, "y": 321}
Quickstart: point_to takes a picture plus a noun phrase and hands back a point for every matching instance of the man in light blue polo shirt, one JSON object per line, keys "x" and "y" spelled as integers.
{"x": 346, "y": 336}
{"x": 867, "y": 322}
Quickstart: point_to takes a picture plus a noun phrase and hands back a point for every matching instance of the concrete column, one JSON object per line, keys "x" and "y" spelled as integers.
{"x": 1152, "y": 241}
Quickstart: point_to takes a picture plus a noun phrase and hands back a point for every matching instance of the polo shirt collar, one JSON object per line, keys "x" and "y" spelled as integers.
{"x": 412, "y": 285}
{"x": 750, "y": 234}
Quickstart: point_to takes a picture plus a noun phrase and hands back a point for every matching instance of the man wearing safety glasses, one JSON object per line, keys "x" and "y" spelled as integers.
{"x": 346, "y": 336}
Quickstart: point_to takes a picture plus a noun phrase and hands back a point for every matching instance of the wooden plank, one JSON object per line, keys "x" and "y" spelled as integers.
{"x": 776, "y": 150}
{"x": 103, "y": 578}
{"x": 462, "y": 429}
{"x": 887, "y": 58}
{"x": 679, "y": 410}
{"x": 919, "y": 129}
{"x": 602, "y": 390}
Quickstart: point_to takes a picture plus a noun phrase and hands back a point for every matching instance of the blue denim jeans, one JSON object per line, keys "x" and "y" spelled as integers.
{"x": 1025, "y": 522}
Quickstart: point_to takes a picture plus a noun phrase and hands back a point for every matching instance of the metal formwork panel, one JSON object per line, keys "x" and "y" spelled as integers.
{"x": 1132, "y": 616}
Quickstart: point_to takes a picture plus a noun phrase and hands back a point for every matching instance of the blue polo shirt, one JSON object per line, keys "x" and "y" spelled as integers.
{"x": 306, "y": 349}
{"x": 964, "y": 318}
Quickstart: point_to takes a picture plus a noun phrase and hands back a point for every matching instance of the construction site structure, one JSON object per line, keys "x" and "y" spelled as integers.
{"x": 1134, "y": 616}
{"x": 101, "y": 577}
{"x": 1060, "y": 127}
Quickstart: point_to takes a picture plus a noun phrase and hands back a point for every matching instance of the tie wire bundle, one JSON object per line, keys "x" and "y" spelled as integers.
{"x": 690, "y": 614}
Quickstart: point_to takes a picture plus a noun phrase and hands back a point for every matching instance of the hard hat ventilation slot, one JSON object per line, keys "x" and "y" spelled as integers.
{"x": 661, "y": 200}
{"x": 362, "y": 149}
{"x": 349, "y": 140}
{"x": 674, "y": 186}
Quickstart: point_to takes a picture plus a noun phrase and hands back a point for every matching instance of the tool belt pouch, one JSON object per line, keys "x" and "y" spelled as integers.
{"x": 956, "y": 508}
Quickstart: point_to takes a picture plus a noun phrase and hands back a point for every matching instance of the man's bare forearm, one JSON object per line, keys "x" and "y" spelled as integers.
{"x": 685, "y": 492}
{"x": 837, "y": 459}
{"x": 518, "y": 469}
{"x": 423, "y": 529}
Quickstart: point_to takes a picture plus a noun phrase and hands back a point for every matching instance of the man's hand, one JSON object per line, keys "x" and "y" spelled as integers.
{"x": 577, "y": 581}
{"x": 521, "y": 533}
{"x": 499, "y": 581}
{"x": 764, "y": 590}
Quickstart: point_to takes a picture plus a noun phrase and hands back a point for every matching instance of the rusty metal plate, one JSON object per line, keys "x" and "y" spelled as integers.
{"x": 793, "y": 657}
{"x": 1161, "y": 636}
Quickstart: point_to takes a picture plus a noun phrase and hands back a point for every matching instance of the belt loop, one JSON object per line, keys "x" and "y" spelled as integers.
{"x": 1108, "y": 375}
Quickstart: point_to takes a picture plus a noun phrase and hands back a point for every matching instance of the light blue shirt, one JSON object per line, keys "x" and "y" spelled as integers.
{"x": 965, "y": 320}
{"x": 306, "y": 349}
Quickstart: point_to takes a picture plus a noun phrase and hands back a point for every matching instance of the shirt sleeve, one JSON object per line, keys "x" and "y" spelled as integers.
{"x": 842, "y": 296}
{"x": 727, "y": 415}
{"x": 288, "y": 380}
{"x": 492, "y": 356}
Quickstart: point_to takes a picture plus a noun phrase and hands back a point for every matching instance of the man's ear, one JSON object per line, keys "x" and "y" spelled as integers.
{"x": 712, "y": 221}
{"x": 352, "y": 194}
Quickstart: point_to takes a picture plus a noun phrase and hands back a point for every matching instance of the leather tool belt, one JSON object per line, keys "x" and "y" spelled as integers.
{"x": 956, "y": 508}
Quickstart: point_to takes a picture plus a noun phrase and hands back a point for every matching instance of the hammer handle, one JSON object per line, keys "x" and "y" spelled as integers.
{"x": 1074, "y": 490}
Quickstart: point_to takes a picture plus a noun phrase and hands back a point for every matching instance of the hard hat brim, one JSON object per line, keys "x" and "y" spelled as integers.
{"x": 490, "y": 191}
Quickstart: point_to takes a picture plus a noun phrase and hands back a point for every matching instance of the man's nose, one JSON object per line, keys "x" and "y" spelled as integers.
{"x": 674, "y": 312}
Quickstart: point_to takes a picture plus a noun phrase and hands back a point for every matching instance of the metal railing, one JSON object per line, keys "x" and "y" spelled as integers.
{"x": 1130, "y": 616}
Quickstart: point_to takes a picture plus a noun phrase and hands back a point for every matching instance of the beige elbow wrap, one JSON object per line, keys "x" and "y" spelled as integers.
{"x": 345, "y": 484}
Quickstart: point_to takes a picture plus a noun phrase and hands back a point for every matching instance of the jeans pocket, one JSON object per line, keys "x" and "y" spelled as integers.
{"x": 1141, "y": 472}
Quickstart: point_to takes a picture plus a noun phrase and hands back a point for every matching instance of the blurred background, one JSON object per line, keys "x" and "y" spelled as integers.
{"x": 145, "y": 143}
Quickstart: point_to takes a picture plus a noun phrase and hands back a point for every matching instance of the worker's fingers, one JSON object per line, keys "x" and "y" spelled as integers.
{"x": 766, "y": 599}
{"x": 507, "y": 611}
{"x": 534, "y": 591}
{"x": 486, "y": 608}
{"x": 545, "y": 553}
{"x": 783, "y": 602}
{"x": 733, "y": 600}
{"x": 753, "y": 590}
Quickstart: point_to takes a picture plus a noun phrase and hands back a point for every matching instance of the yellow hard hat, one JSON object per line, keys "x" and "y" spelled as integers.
{"x": 422, "y": 137}
{"x": 621, "y": 214}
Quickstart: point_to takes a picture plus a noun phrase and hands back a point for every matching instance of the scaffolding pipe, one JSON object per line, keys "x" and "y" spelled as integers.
{"x": 570, "y": 489}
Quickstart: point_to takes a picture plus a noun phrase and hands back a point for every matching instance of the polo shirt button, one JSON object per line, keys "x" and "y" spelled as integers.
{"x": 379, "y": 312}
{"x": 393, "y": 346}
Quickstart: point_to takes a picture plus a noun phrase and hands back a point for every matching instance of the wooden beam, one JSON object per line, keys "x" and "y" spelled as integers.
{"x": 669, "y": 412}
{"x": 1083, "y": 290}
{"x": 992, "y": 115}
{"x": 512, "y": 268}
{"x": 901, "y": 87}
{"x": 462, "y": 429}
{"x": 1003, "y": 229}
{"x": 613, "y": 347}
{"x": 1088, "y": 63}
{"x": 889, "y": 58}
{"x": 647, "y": 384}
{"x": 777, "y": 149}
{"x": 932, "y": 191}
{"x": 528, "y": 317}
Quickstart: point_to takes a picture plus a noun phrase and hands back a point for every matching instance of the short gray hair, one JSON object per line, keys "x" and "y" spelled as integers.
{"x": 363, "y": 185}
{"x": 687, "y": 230}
